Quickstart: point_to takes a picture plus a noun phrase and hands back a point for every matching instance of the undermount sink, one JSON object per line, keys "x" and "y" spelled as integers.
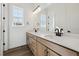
{"x": 53, "y": 36}
{"x": 50, "y": 36}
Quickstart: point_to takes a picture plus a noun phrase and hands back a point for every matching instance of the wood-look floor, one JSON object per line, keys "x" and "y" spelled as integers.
{"x": 19, "y": 51}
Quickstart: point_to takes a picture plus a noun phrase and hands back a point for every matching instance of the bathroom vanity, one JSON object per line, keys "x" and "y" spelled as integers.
{"x": 42, "y": 44}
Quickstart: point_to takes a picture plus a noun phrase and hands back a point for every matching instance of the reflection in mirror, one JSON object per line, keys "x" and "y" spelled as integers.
{"x": 43, "y": 23}
{"x": 63, "y": 15}
{"x": 66, "y": 16}
{"x": 50, "y": 23}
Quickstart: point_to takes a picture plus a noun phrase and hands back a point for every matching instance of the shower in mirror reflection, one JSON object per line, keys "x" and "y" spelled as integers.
{"x": 51, "y": 23}
{"x": 59, "y": 31}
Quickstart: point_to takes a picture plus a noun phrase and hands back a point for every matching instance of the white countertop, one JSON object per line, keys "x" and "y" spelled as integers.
{"x": 69, "y": 41}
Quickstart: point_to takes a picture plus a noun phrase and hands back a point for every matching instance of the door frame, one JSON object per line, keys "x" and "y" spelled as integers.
{"x": 1, "y": 32}
{"x": 5, "y": 26}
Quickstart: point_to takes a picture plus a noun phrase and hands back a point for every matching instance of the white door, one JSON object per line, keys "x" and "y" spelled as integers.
{"x": 1, "y": 43}
{"x": 17, "y": 29}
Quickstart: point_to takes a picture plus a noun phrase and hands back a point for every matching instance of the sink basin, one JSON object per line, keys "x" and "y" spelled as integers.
{"x": 50, "y": 36}
{"x": 53, "y": 36}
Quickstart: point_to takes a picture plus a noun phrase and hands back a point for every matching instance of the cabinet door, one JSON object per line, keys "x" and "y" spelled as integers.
{"x": 27, "y": 39}
{"x": 30, "y": 43}
{"x": 33, "y": 46}
{"x": 41, "y": 49}
{"x": 51, "y": 53}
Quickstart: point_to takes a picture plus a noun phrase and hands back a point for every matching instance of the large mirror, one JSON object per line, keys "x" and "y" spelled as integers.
{"x": 63, "y": 15}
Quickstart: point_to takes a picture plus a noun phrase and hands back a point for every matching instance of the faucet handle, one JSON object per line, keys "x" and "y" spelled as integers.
{"x": 69, "y": 31}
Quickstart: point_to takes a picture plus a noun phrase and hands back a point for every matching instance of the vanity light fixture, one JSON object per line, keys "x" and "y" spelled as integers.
{"x": 36, "y": 10}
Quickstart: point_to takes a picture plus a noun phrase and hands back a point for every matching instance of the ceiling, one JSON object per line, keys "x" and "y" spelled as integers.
{"x": 33, "y": 6}
{"x": 42, "y": 5}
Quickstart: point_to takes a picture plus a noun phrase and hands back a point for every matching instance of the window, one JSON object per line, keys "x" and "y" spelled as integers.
{"x": 43, "y": 23}
{"x": 18, "y": 19}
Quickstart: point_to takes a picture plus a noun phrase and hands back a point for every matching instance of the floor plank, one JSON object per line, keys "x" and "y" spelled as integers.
{"x": 19, "y": 51}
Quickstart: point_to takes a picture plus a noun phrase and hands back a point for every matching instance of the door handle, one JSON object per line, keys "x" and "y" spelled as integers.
{"x": 3, "y": 43}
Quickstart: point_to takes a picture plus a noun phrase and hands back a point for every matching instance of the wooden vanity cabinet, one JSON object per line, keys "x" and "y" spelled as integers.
{"x": 60, "y": 50}
{"x": 31, "y": 42}
{"x": 43, "y": 47}
{"x": 33, "y": 46}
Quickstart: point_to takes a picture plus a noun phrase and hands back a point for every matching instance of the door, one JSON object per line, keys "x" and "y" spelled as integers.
{"x": 17, "y": 29}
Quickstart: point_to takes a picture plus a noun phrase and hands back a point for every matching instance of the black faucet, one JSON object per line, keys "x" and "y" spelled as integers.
{"x": 58, "y": 31}
{"x": 61, "y": 31}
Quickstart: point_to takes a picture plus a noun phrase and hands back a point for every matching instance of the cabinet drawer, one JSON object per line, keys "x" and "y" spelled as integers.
{"x": 31, "y": 35}
{"x": 57, "y": 48}
{"x": 51, "y": 53}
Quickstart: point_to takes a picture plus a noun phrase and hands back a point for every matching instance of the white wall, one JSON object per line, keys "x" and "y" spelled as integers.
{"x": 17, "y": 35}
{"x": 73, "y": 17}
{"x": 67, "y": 16}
